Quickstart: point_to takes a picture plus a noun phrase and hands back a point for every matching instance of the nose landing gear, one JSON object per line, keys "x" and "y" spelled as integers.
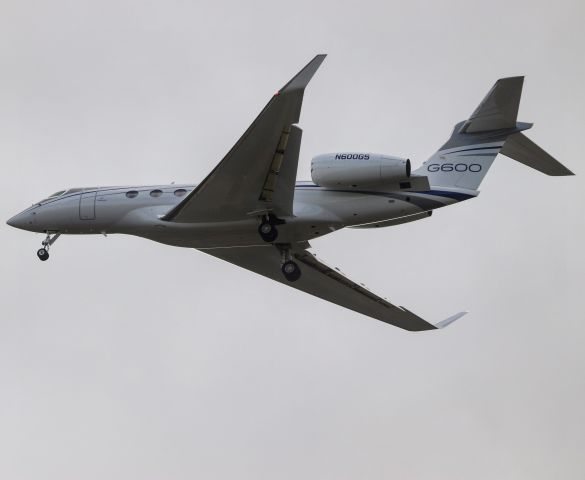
{"x": 43, "y": 253}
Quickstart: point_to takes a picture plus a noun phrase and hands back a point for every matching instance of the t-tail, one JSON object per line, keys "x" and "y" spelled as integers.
{"x": 461, "y": 164}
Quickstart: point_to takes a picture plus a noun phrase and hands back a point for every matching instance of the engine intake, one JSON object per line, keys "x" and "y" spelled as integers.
{"x": 358, "y": 170}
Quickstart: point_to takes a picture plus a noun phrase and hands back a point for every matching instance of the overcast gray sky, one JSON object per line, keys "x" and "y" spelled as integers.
{"x": 125, "y": 359}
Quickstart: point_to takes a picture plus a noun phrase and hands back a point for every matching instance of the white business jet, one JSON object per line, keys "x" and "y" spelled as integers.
{"x": 252, "y": 212}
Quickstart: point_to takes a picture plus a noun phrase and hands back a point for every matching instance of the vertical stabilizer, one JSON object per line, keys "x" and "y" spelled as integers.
{"x": 464, "y": 160}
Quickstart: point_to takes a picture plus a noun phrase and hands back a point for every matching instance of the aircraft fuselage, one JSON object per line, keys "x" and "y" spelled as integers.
{"x": 138, "y": 210}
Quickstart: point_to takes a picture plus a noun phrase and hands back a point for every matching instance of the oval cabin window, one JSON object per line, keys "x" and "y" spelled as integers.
{"x": 132, "y": 194}
{"x": 156, "y": 193}
{"x": 180, "y": 192}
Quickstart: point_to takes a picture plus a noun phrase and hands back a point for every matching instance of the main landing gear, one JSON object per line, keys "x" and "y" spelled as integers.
{"x": 268, "y": 231}
{"x": 267, "y": 228}
{"x": 290, "y": 269}
{"x": 43, "y": 253}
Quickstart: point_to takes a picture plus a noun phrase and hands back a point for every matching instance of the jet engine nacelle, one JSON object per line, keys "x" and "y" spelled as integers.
{"x": 358, "y": 170}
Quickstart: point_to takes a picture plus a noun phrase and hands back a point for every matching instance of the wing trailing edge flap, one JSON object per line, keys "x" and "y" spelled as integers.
{"x": 278, "y": 190}
{"x": 327, "y": 283}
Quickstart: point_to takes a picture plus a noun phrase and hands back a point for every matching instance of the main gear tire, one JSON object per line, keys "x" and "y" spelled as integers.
{"x": 291, "y": 271}
{"x": 268, "y": 232}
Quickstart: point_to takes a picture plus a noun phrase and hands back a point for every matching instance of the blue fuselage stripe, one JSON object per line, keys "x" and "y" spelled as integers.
{"x": 453, "y": 195}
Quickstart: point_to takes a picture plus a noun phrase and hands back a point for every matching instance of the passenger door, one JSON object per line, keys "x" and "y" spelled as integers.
{"x": 87, "y": 205}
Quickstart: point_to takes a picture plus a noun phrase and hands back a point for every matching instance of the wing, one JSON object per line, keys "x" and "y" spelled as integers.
{"x": 258, "y": 174}
{"x": 325, "y": 282}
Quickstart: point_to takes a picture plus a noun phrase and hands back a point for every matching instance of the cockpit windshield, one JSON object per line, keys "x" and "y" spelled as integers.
{"x": 60, "y": 193}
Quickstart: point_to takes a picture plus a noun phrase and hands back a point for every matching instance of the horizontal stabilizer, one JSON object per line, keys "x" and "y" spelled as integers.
{"x": 522, "y": 149}
{"x": 499, "y": 109}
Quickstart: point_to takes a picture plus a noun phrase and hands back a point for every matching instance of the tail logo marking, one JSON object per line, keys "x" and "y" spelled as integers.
{"x": 457, "y": 167}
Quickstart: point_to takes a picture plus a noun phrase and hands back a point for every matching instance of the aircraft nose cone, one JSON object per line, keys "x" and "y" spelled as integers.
{"x": 23, "y": 221}
{"x": 14, "y": 221}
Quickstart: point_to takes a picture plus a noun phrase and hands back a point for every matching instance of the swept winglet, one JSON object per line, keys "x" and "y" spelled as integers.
{"x": 302, "y": 79}
{"x": 450, "y": 320}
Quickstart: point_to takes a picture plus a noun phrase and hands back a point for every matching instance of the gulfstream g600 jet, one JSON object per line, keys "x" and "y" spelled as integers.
{"x": 251, "y": 211}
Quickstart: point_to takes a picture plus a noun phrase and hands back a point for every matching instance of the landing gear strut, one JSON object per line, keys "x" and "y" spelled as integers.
{"x": 290, "y": 269}
{"x": 43, "y": 253}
